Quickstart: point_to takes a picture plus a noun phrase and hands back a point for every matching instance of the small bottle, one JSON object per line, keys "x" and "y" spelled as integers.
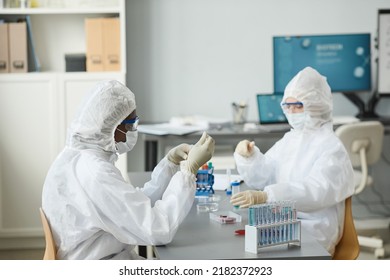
{"x": 235, "y": 189}
{"x": 228, "y": 183}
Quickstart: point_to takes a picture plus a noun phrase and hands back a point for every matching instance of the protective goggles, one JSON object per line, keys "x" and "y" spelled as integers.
{"x": 292, "y": 105}
{"x": 132, "y": 124}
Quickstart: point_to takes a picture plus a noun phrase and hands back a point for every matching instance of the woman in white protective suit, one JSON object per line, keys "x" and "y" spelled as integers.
{"x": 93, "y": 212}
{"x": 309, "y": 165}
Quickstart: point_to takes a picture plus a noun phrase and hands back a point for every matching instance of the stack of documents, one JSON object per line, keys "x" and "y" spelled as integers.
{"x": 168, "y": 128}
{"x": 183, "y": 125}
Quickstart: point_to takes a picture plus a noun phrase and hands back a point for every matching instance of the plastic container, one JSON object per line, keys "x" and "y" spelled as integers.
{"x": 240, "y": 111}
{"x": 205, "y": 181}
{"x": 229, "y": 186}
{"x": 235, "y": 187}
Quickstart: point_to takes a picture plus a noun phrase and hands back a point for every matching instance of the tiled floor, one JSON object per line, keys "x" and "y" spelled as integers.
{"x": 384, "y": 234}
{"x": 372, "y": 221}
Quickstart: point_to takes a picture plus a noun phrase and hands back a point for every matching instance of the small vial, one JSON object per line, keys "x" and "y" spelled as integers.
{"x": 228, "y": 184}
{"x": 235, "y": 189}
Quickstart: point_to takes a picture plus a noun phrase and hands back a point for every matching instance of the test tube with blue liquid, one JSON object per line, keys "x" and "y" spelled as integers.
{"x": 228, "y": 182}
{"x": 235, "y": 189}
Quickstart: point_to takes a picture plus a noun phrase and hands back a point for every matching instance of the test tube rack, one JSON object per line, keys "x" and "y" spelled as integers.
{"x": 205, "y": 182}
{"x": 272, "y": 224}
{"x": 261, "y": 236}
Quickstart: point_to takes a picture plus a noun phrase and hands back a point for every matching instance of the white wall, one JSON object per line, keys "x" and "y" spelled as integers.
{"x": 189, "y": 57}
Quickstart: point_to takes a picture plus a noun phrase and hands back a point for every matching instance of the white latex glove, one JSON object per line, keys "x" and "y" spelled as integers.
{"x": 245, "y": 148}
{"x": 200, "y": 153}
{"x": 248, "y": 198}
{"x": 178, "y": 153}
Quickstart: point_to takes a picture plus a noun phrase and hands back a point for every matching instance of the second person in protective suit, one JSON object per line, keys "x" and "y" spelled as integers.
{"x": 309, "y": 165}
{"x": 93, "y": 212}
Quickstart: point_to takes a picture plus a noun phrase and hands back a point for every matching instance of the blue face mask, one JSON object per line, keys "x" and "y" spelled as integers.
{"x": 131, "y": 140}
{"x": 297, "y": 120}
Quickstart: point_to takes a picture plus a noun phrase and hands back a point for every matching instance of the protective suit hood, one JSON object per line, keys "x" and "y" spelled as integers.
{"x": 312, "y": 89}
{"x": 105, "y": 107}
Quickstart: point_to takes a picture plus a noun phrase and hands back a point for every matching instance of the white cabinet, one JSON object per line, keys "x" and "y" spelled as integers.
{"x": 27, "y": 147}
{"x": 36, "y": 109}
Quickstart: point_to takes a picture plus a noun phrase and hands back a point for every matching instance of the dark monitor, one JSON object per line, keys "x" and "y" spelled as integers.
{"x": 270, "y": 111}
{"x": 344, "y": 59}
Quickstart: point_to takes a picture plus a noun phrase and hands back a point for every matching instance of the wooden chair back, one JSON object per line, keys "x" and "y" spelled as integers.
{"x": 348, "y": 247}
{"x": 50, "y": 249}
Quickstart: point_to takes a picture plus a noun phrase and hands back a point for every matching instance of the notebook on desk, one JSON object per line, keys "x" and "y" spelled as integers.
{"x": 271, "y": 116}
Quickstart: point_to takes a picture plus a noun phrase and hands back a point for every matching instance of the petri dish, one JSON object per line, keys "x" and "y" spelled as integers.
{"x": 209, "y": 199}
{"x": 207, "y": 207}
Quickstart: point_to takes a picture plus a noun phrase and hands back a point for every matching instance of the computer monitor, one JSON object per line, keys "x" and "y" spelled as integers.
{"x": 270, "y": 111}
{"x": 344, "y": 59}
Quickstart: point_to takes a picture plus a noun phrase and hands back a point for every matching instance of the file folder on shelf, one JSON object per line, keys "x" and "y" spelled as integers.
{"x": 4, "y": 58}
{"x": 18, "y": 47}
{"x": 34, "y": 64}
{"x": 94, "y": 39}
{"x": 111, "y": 44}
{"x": 103, "y": 44}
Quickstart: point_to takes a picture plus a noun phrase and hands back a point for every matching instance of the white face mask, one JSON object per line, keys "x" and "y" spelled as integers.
{"x": 131, "y": 140}
{"x": 297, "y": 120}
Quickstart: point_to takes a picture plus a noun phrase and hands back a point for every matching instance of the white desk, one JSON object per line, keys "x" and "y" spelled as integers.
{"x": 200, "y": 238}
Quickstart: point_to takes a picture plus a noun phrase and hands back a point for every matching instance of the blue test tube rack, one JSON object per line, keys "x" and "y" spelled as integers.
{"x": 272, "y": 224}
{"x": 205, "y": 181}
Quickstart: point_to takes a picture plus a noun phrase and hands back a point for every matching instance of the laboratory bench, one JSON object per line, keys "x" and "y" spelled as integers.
{"x": 156, "y": 145}
{"x": 200, "y": 238}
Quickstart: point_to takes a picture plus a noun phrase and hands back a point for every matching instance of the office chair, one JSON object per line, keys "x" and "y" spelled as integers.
{"x": 363, "y": 142}
{"x": 348, "y": 246}
{"x": 50, "y": 249}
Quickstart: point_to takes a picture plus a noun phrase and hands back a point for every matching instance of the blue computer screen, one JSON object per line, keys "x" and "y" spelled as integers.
{"x": 344, "y": 59}
{"x": 269, "y": 108}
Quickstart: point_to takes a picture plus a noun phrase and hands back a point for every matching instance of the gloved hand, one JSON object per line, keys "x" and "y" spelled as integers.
{"x": 178, "y": 153}
{"x": 248, "y": 198}
{"x": 245, "y": 148}
{"x": 200, "y": 153}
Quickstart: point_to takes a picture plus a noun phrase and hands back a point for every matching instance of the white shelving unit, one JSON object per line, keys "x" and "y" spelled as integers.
{"x": 57, "y": 32}
{"x": 36, "y": 109}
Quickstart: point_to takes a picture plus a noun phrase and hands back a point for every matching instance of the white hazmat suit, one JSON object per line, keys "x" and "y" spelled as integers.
{"x": 93, "y": 212}
{"x": 308, "y": 165}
